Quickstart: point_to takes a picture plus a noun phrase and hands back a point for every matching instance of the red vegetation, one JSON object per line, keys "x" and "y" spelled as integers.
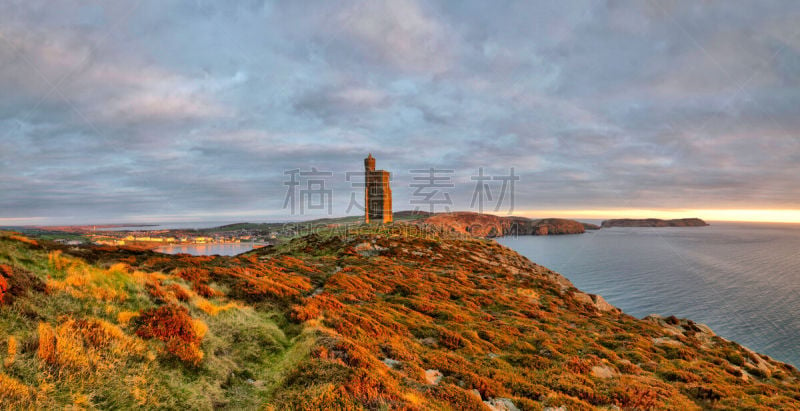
{"x": 4, "y": 271}
{"x": 447, "y": 323}
{"x": 23, "y": 239}
{"x": 179, "y": 292}
{"x": 15, "y": 282}
{"x": 193, "y": 275}
{"x": 172, "y": 325}
{"x": 494, "y": 325}
{"x": 154, "y": 289}
{"x": 205, "y": 290}
{"x": 271, "y": 279}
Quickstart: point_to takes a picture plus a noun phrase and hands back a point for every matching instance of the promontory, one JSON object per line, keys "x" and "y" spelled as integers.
{"x": 653, "y": 222}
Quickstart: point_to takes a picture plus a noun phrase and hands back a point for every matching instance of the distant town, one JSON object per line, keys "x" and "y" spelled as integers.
{"x": 139, "y": 236}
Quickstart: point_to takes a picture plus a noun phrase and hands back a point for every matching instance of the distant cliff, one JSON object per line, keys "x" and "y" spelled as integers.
{"x": 487, "y": 225}
{"x": 654, "y": 222}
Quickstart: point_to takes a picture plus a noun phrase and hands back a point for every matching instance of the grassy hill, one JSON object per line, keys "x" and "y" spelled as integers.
{"x": 399, "y": 216}
{"x": 377, "y": 320}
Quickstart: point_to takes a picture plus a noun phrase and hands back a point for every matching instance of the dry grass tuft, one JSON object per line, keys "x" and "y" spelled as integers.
{"x": 84, "y": 344}
{"x": 13, "y": 393}
{"x": 11, "y": 352}
{"x": 47, "y": 343}
{"x": 210, "y": 308}
{"x": 124, "y": 317}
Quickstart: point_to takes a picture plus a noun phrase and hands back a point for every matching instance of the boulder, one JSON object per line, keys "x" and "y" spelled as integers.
{"x": 501, "y": 404}
{"x": 433, "y": 376}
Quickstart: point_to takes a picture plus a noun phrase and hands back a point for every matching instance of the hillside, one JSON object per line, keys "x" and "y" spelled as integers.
{"x": 398, "y": 216}
{"x": 376, "y": 320}
{"x": 653, "y": 222}
{"x": 488, "y": 225}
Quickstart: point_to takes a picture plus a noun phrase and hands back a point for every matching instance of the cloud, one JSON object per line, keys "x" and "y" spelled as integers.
{"x": 114, "y": 110}
{"x": 399, "y": 33}
{"x": 67, "y": 69}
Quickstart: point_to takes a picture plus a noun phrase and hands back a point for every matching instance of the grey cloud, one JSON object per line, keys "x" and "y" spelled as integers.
{"x": 199, "y": 107}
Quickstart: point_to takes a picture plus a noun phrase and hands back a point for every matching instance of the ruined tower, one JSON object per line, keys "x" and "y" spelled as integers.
{"x": 377, "y": 193}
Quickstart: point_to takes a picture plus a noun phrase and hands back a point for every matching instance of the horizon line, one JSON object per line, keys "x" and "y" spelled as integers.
{"x": 720, "y": 215}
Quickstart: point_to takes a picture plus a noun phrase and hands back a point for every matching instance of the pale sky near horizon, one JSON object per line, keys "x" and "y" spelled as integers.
{"x": 185, "y": 111}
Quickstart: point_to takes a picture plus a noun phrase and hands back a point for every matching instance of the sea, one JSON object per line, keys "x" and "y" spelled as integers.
{"x": 740, "y": 279}
{"x": 207, "y": 249}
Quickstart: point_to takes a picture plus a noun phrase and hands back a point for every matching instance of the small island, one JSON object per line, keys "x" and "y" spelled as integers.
{"x": 653, "y": 222}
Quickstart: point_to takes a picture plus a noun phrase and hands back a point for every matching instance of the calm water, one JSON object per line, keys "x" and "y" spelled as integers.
{"x": 206, "y": 249}
{"x": 741, "y": 279}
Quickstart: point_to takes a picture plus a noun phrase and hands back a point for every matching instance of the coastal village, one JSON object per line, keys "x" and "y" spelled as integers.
{"x": 162, "y": 237}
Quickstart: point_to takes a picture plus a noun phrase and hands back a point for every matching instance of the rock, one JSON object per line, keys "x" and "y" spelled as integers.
{"x": 368, "y": 249}
{"x": 601, "y": 304}
{"x": 429, "y": 341}
{"x": 673, "y": 326}
{"x": 476, "y": 393}
{"x": 595, "y": 300}
{"x": 433, "y": 376}
{"x": 501, "y": 404}
{"x": 603, "y": 371}
{"x": 758, "y": 362}
{"x": 391, "y": 363}
{"x": 669, "y": 342}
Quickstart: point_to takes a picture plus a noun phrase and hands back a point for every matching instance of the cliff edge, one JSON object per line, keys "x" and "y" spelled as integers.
{"x": 488, "y": 225}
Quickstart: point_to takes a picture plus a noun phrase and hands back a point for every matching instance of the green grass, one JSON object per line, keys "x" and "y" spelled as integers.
{"x": 248, "y": 350}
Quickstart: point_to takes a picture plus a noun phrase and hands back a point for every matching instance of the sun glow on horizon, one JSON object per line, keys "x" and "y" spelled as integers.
{"x": 743, "y": 215}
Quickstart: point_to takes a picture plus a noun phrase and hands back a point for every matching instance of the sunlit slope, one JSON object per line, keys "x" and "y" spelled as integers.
{"x": 377, "y": 320}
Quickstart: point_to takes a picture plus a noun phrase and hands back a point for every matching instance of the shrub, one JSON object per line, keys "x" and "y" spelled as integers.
{"x": 205, "y": 291}
{"x": 180, "y": 293}
{"x": 172, "y": 325}
{"x": 3, "y": 288}
{"x": 15, "y": 282}
{"x": 456, "y": 397}
{"x": 734, "y": 358}
{"x": 23, "y": 239}
{"x": 451, "y": 340}
{"x": 156, "y": 292}
{"x": 194, "y": 275}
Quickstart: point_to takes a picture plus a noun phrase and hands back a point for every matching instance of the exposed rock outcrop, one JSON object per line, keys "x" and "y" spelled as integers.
{"x": 487, "y": 225}
{"x": 595, "y": 300}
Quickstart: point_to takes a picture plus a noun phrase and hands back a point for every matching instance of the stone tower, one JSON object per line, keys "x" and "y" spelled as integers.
{"x": 377, "y": 194}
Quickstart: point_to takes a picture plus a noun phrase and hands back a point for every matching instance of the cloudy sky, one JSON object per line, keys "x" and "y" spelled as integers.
{"x": 164, "y": 111}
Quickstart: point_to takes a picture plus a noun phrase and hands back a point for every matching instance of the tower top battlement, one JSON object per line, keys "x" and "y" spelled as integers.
{"x": 369, "y": 163}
